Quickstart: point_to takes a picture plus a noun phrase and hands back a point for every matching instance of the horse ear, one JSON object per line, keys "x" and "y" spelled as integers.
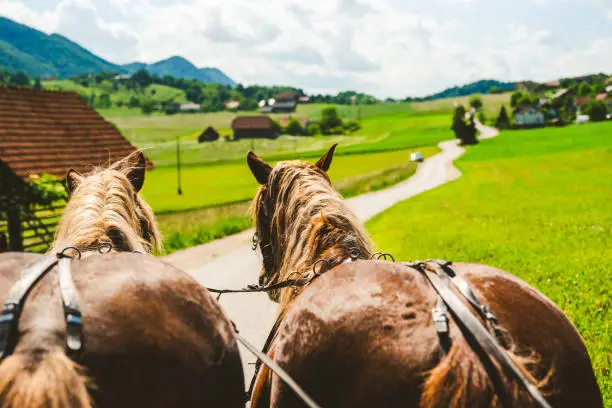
{"x": 260, "y": 169}
{"x": 73, "y": 178}
{"x": 325, "y": 161}
{"x": 136, "y": 173}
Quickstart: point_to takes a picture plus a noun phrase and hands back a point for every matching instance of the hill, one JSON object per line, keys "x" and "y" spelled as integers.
{"x": 479, "y": 87}
{"x": 23, "y": 48}
{"x": 179, "y": 67}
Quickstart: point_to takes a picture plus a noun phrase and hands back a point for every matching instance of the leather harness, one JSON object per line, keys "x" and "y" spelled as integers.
{"x": 485, "y": 341}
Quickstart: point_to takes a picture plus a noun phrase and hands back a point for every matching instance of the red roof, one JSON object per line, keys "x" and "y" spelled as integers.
{"x": 602, "y": 96}
{"x": 51, "y": 132}
{"x": 582, "y": 101}
{"x": 252, "y": 123}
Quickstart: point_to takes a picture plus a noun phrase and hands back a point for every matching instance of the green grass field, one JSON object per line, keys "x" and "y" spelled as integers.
{"x": 206, "y": 186}
{"x": 535, "y": 203}
{"x": 492, "y": 104}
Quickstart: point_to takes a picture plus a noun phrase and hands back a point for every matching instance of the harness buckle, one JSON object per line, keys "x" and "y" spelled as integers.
{"x": 74, "y": 331}
{"x": 440, "y": 319}
{"x": 7, "y": 327}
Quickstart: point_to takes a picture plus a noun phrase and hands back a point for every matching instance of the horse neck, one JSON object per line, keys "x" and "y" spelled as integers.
{"x": 318, "y": 226}
{"x": 99, "y": 214}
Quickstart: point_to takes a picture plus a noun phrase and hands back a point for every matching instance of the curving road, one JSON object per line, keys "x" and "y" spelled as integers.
{"x": 230, "y": 262}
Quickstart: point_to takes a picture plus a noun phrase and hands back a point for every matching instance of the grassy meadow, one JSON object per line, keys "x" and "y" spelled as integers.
{"x": 535, "y": 203}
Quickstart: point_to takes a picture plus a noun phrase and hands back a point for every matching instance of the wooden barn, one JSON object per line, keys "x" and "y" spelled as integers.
{"x": 253, "y": 127}
{"x": 46, "y": 132}
{"x": 209, "y": 135}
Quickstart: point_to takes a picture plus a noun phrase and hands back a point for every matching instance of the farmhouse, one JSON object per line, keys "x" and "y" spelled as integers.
{"x": 284, "y": 102}
{"x": 529, "y": 116}
{"x": 253, "y": 127}
{"x": 208, "y": 135}
{"x": 46, "y": 132}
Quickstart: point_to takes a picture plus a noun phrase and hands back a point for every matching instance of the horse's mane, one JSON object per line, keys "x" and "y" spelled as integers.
{"x": 299, "y": 219}
{"x": 103, "y": 208}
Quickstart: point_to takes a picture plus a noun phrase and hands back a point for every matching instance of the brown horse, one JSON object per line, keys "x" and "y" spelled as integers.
{"x": 361, "y": 334}
{"x": 153, "y": 336}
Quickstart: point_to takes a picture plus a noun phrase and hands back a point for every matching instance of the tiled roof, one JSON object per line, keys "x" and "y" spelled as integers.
{"x": 252, "y": 123}
{"x": 50, "y": 132}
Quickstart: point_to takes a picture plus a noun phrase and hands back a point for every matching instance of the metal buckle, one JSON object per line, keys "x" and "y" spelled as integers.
{"x": 7, "y": 327}
{"x": 74, "y": 331}
{"x": 440, "y": 319}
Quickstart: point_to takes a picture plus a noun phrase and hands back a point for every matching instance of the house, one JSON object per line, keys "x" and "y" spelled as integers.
{"x": 560, "y": 93}
{"x": 189, "y": 107}
{"x": 528, "y": 117}
{"x": 122, "y": 77}
{"x": 49, "y": 78}
{"x": 253, "y": 127}
{"x": 47, "y": 132}
{"x": 609, "y": 89}
{"x": 303, "y": 99}
{"x": 266, "y": 109}
{"x": 553, "y": 84}
{"x": 580, "y": 102}
{"x": 208, "y": 135}
{"x": 606, "y": 98}
{"x": 283, "y": 102}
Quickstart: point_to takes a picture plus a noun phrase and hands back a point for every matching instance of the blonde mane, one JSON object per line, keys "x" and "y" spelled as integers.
{"x": 299, "y": 219}
{"x": 105, "y": 208}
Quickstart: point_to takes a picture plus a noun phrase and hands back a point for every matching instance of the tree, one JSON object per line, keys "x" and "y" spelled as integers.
{"x": 464, "y": 131}
{"x": 596, "y": 110}
{"x": 584, "y": 89}
{"x": 142, "y": 78}
{"x": 104, "y": 101}
{"x": 503, "y": 121}
{"x": 494, "y": 90}
{"x": 20, "y": 79}
{"x": 330, "y": 120}
{"x": 147, "y": 106}
{"x": 475, "y": 102}
{"x": 314, "y": 129}
{"x": 294, "y": 128}
{"x": 514, "y": 98}
{"x": 525, "y": 100}
{"x": 37, "y": 84}
{"x": 134, "y": 102}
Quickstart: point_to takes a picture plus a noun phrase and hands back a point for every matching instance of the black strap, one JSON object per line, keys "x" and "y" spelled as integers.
{"x": 282, "y": 374}
{"x": 9, "y": 319}
{"x": 469, "y": 323}
{"x": 72, "y": 310}
{"x": 264, "y": 350}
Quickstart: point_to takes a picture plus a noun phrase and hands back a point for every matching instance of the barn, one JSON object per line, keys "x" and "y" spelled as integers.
{"x": 253, "y": 127}
{"x": 208, "y": 135}
{"x": 46, "y": 132}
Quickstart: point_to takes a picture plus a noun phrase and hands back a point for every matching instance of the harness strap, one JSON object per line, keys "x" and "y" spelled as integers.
{"x": 486, "y": 342}
{"x": 282, "y": 374}
{"x": 72, "y": 310}
{"x": 9, "y": 319}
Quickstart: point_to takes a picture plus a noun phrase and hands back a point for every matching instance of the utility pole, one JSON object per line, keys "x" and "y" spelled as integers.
{"x": 179, "y": 190}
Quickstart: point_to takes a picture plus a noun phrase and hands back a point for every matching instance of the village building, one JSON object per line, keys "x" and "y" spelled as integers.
{"x": 283, "y": 102}
{"x": 253, "y": 127}
{"x": 208, "y": 135}
{"x": 46, "y": 132}
{"x": 606, "y": 98}
{"x": 528, "y": 117}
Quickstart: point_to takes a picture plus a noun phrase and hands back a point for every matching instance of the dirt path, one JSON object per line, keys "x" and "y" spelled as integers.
{"x": 230, "y": 262}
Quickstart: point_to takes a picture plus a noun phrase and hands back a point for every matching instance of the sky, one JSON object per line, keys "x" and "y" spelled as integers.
{"x": 388, "y": 48}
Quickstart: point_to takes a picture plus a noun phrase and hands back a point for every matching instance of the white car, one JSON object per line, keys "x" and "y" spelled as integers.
{"x": 416, "y": 157}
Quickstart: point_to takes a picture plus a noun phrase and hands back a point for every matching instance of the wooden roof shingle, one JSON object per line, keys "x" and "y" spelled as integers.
{"x": 51, "y": 132}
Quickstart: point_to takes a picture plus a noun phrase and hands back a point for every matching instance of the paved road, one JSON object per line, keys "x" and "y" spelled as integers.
{"x": 230, "y": 262}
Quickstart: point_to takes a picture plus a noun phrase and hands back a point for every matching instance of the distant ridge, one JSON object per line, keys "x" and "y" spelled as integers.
{"x": 23, "y": 48}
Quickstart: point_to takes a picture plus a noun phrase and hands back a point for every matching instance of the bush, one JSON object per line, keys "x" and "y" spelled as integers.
{"x": 134, "y": 102}
{"x": 352, "y": 126}
{"x": 338, "y": 130}
{"x": 294, "y": 128}
{"x": 503, "y": 121}
{"x": 481, "y": 117}
{"x": 104, "y": 101}
{"x": 596, "y": 110}
{"x": 314, "y": 129}
{"x": 147, "y": 106}
{"x": 278, "y": 129}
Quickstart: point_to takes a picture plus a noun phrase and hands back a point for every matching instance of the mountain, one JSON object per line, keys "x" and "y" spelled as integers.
{"x": 38, "y": 54}
{"x": 24, "y": 49}
{"x": 179, "y": 67}
{"x": 483, "y": 86}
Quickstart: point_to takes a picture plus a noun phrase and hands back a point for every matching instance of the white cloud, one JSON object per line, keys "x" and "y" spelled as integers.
{"x": 385, "y": 47}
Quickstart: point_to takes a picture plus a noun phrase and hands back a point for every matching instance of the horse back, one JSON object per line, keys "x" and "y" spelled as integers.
{"x": 362, "y": 335}
{"x": 153, "y": 335}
